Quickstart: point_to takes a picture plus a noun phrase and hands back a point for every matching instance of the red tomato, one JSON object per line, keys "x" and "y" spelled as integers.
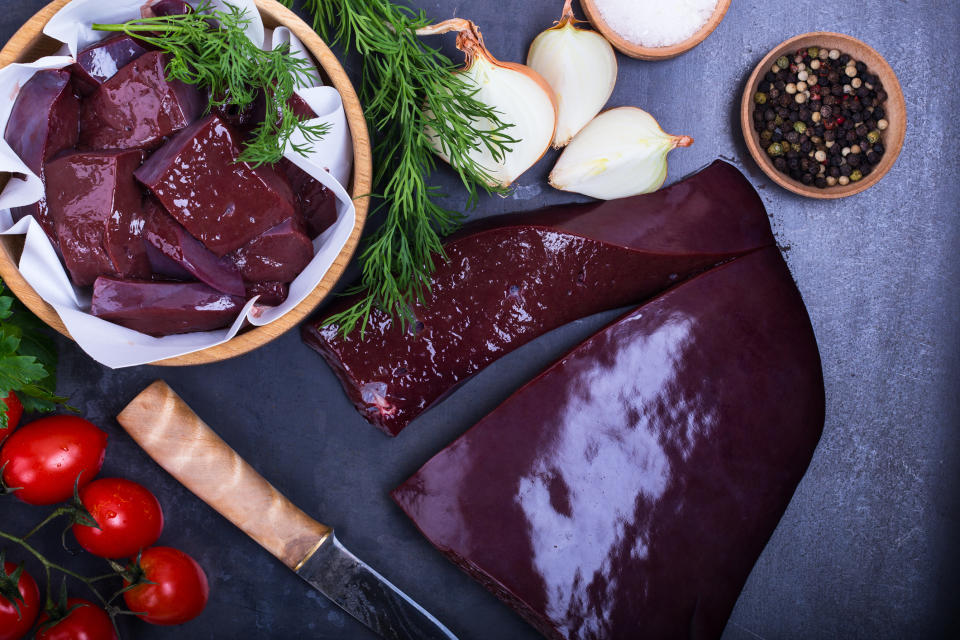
{"x": 15, "y": 625}
{"x": 129, "y": 516}
{"x": 86, "y": 622}
{"x": 179, "y": 592}
{"x": 14, "y": 412}
{"x": 46, "y": 456}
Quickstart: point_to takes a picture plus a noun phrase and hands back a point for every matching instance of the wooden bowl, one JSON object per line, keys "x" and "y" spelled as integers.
{"x": 895, "y": 107}
{"x": 634, "y": 50}
{"x": 29, "y": 43}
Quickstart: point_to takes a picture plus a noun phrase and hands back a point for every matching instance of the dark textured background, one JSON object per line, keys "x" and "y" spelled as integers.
{"x": 867, "y": 547}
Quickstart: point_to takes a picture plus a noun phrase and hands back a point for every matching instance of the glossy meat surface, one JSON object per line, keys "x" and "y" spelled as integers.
{"x": 43, "y": 122}
{"x": 628, "y": 490}
{"x": 271, "y": 293}
{"x": 317, "y": 203}
{"x": 222, "y": 203}
{"x": 163, "y": 308}
{"x": 138, "y": 107}
{"x": 102, "y": 60}
{"x": 513, "y": 278}
{"x": 169, "y": 237}
{"x": 276, "y": 255}
{"x": 96, "y": 205}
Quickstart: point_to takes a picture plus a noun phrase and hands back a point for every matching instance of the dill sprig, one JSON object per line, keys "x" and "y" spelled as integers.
{"x": 209, "y": 48}
{"x": 407, "y": 88}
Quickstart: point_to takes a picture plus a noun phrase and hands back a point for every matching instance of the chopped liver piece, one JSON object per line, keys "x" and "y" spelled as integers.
{"x": 170, "y": 238}
{"x": 628, "y": 490}
{"x": 222, "y": 203}
{"x": 138, "y": 107}
{"x": 317, "y": 203}
{"x": 102, "y": 60}
{"x": 163, "y": 308}
{"x": 43, "y": 122}
{"x": 277, "y": 255}
{"x": 271, "y": 293}
{"x": 513, "y": 278}
{"x": 96, "y": 205}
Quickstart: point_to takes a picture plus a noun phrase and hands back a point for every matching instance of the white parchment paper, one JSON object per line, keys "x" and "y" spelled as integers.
{"x": 330, "y": 162}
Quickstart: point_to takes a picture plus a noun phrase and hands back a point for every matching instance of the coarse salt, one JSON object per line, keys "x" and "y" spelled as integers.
{"x": 656, "y": 23}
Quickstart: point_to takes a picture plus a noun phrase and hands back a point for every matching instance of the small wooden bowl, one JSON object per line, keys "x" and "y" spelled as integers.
{"x": 29, "y": 43}
{"x": 634, "y": 50}
{"x": 895, "y": 107}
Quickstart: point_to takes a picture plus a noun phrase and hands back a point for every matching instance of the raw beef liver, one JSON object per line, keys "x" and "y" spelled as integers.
{"x": 165, "y": 8}
{"x": 516, "y": 277}
{"x": 170, "y": 238}
{"x": 96, "y": 204}
{"x": 222, "y": 203}
{"x": 628, "y": 490}
{"x": 317, "y": 203}
{"x": 271, "y": 293}
{"x": 138, "y": 107}
{"x": 102, "y": 60}
{"x": 43, "y": 122}
{"x": 277, "y": 255}
{"x": 163, "y": 308}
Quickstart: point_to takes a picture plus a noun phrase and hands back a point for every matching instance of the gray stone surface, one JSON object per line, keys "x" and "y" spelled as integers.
{"x": 867, "y": 547}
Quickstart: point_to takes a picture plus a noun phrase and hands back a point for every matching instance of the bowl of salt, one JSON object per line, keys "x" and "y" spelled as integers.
{"x": 654, "y": 29}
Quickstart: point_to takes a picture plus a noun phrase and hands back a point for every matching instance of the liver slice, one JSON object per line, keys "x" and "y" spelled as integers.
{"x": 43, "y": 122}
{"x": 317, "y": 203}
{"x": 633, "y": 484}
{"x": 277, "y": 255}
{"x": 95, "y": 204}
{"x": 163, "y": 308}
{"x": 515, "y": 277}
{"x": 138, "y": 107}
{"x": 271, "y": 293}
{"x": 222, "y": 203}
{"x": 169, "y": 237}
{"x": 102, "y": 60}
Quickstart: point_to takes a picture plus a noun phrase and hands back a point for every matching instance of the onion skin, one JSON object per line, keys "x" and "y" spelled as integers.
{"x": 581, "y": 67}
{"x": 620, "y": 153}
{"x": 479, "y": 59}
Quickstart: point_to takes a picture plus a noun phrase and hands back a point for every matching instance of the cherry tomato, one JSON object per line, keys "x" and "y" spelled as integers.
{"x": 86, "y": 622}
{"x": 14, "y": 625}
{"x": 46, "y": 456}
{"x": 14, "y": 412}
{"x": 179, "y": 592}
{"x": 129, "y": 516}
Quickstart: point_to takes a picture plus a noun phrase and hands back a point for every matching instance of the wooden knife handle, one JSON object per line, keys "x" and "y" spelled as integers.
{"x": 167, "y": 429}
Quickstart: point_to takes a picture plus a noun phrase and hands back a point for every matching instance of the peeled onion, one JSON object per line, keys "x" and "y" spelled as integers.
{"x": 520, "y": 96}
{"x": 581, "y": 68}
{"x": 620, "y": 153}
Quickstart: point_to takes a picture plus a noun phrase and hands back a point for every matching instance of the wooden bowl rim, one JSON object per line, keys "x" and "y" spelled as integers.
{"x": 250, "y": 337}
{"x": 654, "y": 53}
{"x": 897, "y": 129}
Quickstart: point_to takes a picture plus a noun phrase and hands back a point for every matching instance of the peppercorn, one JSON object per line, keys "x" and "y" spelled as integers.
{"x": 843, "y": 181}
{"x": 855, "y": 176}
{"x": 873, "y": 157}
{"x": 793, "y": 163}
{"x": 773, "y": 93}
{"x": 792, "y": 137}
{"x": 879, "y": 148}
{"x": 821, "y": 183}
{"x": 853, "y": 159}
{"x": 834, "y": 172}
{"x": 845, "y": 169}
{"x": 769, "y": 76}
{"x": 800, "y": 127}
{"x": 760, "y": 97}
{"x": 806, "y": 179}
{"x": 862, "y": 130}
{"x": 775, "y": 149}
{"x": 780, "y": 164}
{"x": 783, "y": 62}
{"x": 882, "y": 124}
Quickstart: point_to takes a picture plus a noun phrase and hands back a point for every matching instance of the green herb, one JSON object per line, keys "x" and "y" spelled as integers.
{"x": 209, "y": 48}
{"x": 28, "y": 360}
{"x": 406, "y": 87}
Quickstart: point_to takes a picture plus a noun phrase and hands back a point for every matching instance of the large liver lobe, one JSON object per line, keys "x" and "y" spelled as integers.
{"x": 513, "y": 278}
{"x": 628, "y": 490}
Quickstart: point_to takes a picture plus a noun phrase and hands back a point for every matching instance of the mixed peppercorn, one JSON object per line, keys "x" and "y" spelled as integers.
{"x": 820, "y": 116}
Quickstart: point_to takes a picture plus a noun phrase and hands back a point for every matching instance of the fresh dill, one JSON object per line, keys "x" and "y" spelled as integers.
{"x": 406, "y": 88}
{"x": 209, "y": 48}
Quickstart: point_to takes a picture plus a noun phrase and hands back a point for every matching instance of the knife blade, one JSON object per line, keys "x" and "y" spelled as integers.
{"x": 180, "y": 442}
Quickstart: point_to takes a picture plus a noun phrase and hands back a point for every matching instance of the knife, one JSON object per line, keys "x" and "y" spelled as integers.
{"x": 173, "y": 435}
